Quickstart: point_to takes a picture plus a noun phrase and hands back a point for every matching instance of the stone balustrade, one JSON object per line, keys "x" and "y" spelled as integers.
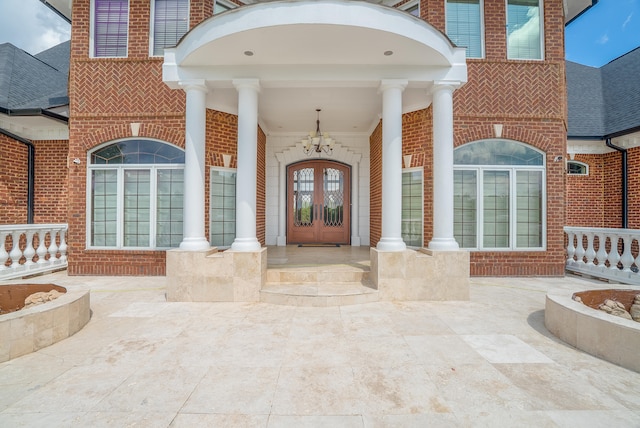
{"x": 610, "y": 254}
{"x": 27, "y": 249}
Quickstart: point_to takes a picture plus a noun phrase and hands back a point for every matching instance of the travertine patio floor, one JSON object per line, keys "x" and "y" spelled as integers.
{"x": 142, "y": 361}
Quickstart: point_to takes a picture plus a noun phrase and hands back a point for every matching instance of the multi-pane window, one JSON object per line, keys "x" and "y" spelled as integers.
{"x": 464, "y": 25}
{"x": 524, "y": 29}
{"x": 412, "y": 207}
{"x": 223, "y": 207}
{"x": 499, "y": 196}
{"x": 110, "y": 28}
{"x": 136, "y": 195}
{"x": 170, "y": 22}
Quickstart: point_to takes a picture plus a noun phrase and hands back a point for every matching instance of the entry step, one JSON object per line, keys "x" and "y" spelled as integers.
{"x": 318, "y": 294}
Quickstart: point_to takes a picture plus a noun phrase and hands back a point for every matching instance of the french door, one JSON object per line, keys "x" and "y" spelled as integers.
{"x": 318, "y": 203}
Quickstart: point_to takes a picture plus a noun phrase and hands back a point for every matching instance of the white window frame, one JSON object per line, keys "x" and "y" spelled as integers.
{"x": 152, "y": 24}
{"x": 512, "y": 202}
{"x": 542, "y": 33}
{"x": 577, "y": 163}
{"x": 92, "y": 18}
{"x": 421, "y": 170}
{"x": 221, "y": 169}
{"x": 153, "y": 191}
{"x": 482, "y": 30}
{"x": 410, "y": 4}
{"x": 225, "y": 3}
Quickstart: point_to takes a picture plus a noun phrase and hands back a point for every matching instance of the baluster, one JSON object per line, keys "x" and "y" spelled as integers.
{"x": 579, "y": 248}
{"x": 601, "y": 255}
{"x": 15, "y": 253}
{"x": 4, "y": 256}
{"x": 627, "y": 258}
{"x": 637, "y": 259}
{"x": 42, "y": 249}
{"x": 614, "y": 254}
{"x": 590, "y": 254}
{"x": 29, "y": 251}
{"x": 63, "y": 246}
{"x": 53, "y": 248}
{"x": 571, "y": 250}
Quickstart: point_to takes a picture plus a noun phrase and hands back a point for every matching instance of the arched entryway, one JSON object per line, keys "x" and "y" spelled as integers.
{"x": 318, "y": 202}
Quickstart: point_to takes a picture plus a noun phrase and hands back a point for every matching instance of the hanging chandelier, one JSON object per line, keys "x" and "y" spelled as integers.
{"x": 318, "y": 142}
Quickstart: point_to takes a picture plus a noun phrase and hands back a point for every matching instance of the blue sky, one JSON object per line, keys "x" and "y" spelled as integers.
{"x": 609, "y": 29}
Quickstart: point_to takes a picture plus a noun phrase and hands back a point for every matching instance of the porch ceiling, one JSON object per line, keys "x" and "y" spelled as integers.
{"x": 329, "y": 54}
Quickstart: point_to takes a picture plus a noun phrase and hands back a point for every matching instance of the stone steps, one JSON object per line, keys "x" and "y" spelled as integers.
{"x": 318, "y": 294}
{"x": 318, "y": 285}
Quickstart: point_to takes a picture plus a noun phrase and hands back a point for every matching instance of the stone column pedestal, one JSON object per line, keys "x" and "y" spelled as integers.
{"x": 420, "y": 275}
{"x": 213, "y": 276}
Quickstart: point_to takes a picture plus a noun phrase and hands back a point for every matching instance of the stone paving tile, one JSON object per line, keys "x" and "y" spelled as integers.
{"x": 142, "y": 361}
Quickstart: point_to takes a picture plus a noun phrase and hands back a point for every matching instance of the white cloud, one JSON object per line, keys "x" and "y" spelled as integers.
{"x": 604, "y": 39}
{"x": 527, "y": 37}
{"x": 626, "y": 21}
{"x": 31, "y": 26}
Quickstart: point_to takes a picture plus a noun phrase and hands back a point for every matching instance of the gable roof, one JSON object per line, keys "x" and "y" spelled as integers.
{"x": 32, "y": 82}
{"x": 604, "y": 101}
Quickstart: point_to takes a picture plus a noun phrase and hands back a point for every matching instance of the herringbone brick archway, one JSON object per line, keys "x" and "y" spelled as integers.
{"x": 509, "y": 132}
{"x": 147, "y": 130}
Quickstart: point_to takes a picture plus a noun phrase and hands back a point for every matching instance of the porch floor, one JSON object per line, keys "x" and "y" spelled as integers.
{"x": 147, "y": 362}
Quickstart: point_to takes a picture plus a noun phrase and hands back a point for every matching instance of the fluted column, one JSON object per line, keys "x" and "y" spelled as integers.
{"x": 391, "y": 239}
{"x": 193, "y": 238}
{"x": 246, "y": 178}
{"x": 443, "y": 238}
{"x": 282, "y": 201}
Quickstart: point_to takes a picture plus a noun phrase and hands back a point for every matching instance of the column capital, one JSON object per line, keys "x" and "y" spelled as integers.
{"x": 247, "y": 83}
{"x": 392, "y": 83}
{"x": 439, "y": 85}
{"x": 194, "y": 84}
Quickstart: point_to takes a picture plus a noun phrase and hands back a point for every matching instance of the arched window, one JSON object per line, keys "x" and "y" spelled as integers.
{"x": 136, "y": 195}
{"x": 577, "y": 168}
{"x": 499, "y": 196}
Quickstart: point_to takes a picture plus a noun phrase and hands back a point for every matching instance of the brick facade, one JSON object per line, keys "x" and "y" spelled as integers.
{"x": 528, "y": 99}
{"x": 13, "y": 181}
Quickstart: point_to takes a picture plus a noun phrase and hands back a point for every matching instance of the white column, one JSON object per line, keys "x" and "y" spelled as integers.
{"x": 246, "y": 239}
{"x": 193, "y": 218}
{"x": 355, "y": 204}
{"x": 443, "y": 239}
{"x": 282, "y": 201}
{"x": 391, "y": 239}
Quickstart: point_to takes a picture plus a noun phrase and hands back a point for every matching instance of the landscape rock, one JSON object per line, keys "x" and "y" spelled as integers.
{"x": 615, "y": 308}
{"x": 635, "y": 308}
{"x": 40, "y": 298}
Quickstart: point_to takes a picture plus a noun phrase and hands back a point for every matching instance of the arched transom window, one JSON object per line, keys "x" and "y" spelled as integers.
{"x": 136, "y": 195}
{"x": 499, "y": 196}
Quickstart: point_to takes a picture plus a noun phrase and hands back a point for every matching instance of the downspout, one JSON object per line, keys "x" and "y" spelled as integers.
{"x": 625, "y": 177}
{"x": 31, "y": 171}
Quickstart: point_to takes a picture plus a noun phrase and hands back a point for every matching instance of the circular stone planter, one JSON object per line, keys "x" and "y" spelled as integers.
{"x": 593, "y": 331}
{"x": 28, "y": 330}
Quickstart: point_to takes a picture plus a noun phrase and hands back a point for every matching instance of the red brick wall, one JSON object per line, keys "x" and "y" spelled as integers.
{"x": 595, "y": 200}
{"x": 107, "y": 94}
{"x": 51, "y": 203}
{"x": 261, "y": 189}
{"x": 375, "y": 185}
{"x": 13, "y": 181}
{"x": 528, "y": 98}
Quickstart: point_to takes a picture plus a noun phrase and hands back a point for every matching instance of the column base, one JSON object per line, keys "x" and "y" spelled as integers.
{"x": 245, "y": 244}
{"x": 281, "y": 241}
{"x": 194, "y": 244}
{"x": 443, "y": 244}
{"x": 421, "y": 274}
{"x": 355, "y": 241}
{"x": 212, "y": 276}
{"x": 391, "y": 244}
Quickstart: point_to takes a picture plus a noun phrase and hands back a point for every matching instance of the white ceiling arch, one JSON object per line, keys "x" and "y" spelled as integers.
{"x": 328, "y": 54}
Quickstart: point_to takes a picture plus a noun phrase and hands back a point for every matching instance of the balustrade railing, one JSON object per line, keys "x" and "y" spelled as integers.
{"x": 27, "y": 249}
{"x": 604, "y": 253}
